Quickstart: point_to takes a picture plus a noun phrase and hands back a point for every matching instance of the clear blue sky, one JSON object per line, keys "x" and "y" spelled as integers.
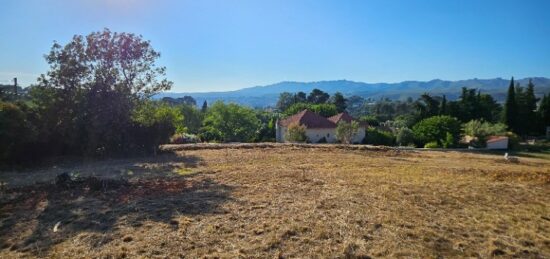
{"x": 230, "y": 44}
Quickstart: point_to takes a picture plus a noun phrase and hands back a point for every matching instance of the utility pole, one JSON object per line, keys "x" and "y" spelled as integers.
{"x": 15, "y": 86}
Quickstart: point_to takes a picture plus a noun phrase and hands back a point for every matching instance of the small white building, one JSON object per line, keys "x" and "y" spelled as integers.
{"x": 497, "y": 142}
{"x": 318, "y": 127}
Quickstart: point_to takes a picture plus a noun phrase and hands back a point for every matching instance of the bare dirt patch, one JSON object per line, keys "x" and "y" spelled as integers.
{"x": 283, "y": 201}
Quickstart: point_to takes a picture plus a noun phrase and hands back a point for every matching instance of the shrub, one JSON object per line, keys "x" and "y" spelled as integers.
{"x": 345, "y": 131}
{"x": 230, "y": 123}
{"x": 435, "y": 129}
{"x": 449, "y": 140}
{"x": 296, "y": 133}
{"x": 159, "y": 121}
{"x": 322, "y": 140}
{"x": 432, "y": 144}
{"x": 405, "y": 137}
{"x": 15, "y": 131}
{"x": 371, "y": 120}
{"x": 378, "y": 137}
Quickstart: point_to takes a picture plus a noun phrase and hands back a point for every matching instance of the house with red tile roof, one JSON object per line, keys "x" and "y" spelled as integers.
{"x": 318, "y": 127}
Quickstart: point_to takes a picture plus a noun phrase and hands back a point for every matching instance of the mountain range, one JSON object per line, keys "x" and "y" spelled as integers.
{"x": 265, "y": 96}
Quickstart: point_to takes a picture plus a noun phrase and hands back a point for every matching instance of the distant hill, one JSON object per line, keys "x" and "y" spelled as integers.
{"x": 264, "y": 96}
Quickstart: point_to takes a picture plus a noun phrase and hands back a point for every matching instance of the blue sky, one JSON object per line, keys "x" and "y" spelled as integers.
{"x": 230, "y": 44}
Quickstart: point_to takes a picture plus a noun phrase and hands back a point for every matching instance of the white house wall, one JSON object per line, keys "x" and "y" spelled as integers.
{"x": 314, "y": 135}
{"x": 500, "y": 144}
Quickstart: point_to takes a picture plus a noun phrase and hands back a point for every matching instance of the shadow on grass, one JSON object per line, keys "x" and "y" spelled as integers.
{"x": 95, "y": 206}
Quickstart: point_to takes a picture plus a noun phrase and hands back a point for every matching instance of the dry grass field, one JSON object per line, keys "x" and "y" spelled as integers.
{"x": 282, "y": 201}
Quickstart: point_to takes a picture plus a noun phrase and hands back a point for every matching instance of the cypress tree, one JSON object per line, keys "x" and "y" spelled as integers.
{"x": 530, "y": 103}
{"x": 443, "y": 108}
{"x": 510, "y": 108}
{"x": 204, "y": 106}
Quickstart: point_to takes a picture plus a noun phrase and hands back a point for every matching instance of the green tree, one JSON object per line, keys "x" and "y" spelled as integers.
{"x": 510, "y": 113}
{"x": 405, "y": 137}
{"x": 443, "y": 106}
{"x": 204, "y": 106}
{"x": 427, "y": 106}
{"x": 192, "y": 118}
{"x": 296, "y": 133}
{"x": 231, "y": 122}
{"x": 345, "y": 131}
{"x": 339, "y": 101}
{"x": 527, "y": 106}
{"x": 94, "y": 82}
{"x": 300, "y": 97}
{"x": 285, "y": 100}
{"x": 266, "y": 130}
{"x": 317, "y": 96}
{"x": 435, "y": 129}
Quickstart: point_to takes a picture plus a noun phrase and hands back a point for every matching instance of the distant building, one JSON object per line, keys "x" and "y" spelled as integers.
{"x": 497, "y": 142}
{"x": 318, "y": 127}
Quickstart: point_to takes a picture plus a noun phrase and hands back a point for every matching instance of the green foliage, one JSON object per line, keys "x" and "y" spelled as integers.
{"x": 427, "y": 106}
{"x": 285, "y": 100}
{"x": 324, "y": 109}
{"x": 15, "y": 131}
{"x": 339, "y": 101}
{"x": 266, "y": 130}
{"x": 317, "y": 97}
{"x": 192, "y": 118}
{"x": 345, "y": 131}
{"x": 432, "y": 144}
{"x": 204, "y": 107}
{"x": 509, "y": 116}
{"x": 370, "y": 119}
{"x": 407, "y": 120}
{"x": 480, "y": 130}
{"x": 386, "y": 109}
{"x": 229, "y": 123}
{"x": 85, "y": 102}
{"x": 449, "y": 140}
{"x": 435, "y": 129}
{"x": 527, "y": 105}
{"x": 160, "y": 121}
{"x": 405, "y": 137}
{"x": 296, "y": 133}
{"x": 378, "y": 137}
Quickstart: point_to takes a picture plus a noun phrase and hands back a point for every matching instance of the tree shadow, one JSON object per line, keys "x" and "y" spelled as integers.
{"x": 35, "y": 218}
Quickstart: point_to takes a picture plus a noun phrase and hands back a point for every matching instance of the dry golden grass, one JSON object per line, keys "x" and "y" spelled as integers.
{"x": 285, "y": 201}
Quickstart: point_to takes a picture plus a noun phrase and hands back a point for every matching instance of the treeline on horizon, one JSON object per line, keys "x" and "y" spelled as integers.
{"x": 95, "y": 100}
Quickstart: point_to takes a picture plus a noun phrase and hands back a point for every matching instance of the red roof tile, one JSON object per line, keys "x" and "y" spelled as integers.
{"x": 344, "y": 116}
{"x": 341, "y": 116}
{"x": 496, "y": 138}
{"x": 309, "y": 119}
